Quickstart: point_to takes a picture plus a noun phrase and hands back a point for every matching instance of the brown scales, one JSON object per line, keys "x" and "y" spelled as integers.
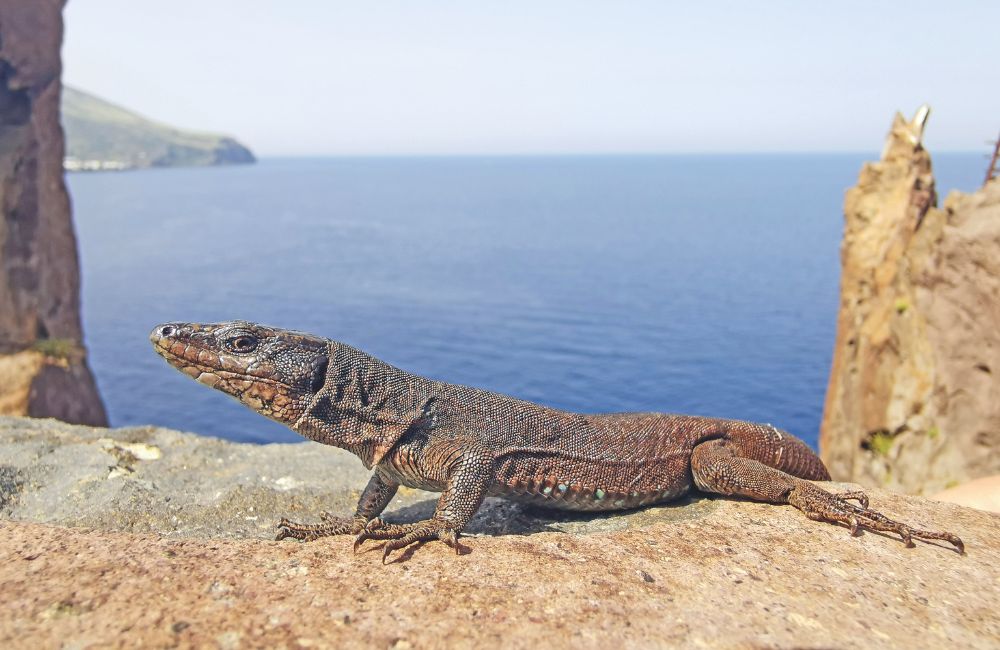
{"x": 468, "y": 443}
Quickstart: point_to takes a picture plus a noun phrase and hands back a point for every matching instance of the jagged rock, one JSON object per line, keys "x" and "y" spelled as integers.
{"x": 913, "y": 402}
{"x": 195, "y": 568}
{"x": 39, "y": 271}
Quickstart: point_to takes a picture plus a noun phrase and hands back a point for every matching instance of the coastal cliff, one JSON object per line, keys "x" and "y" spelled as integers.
{"x": 913, "y": 402}
{"x": 101, "y": 136}
{"x": 43, "y": 367}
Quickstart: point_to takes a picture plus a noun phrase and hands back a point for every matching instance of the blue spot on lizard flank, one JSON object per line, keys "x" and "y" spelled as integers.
{"x": 547, "y": 490}
{"x": 563, "y": 487}
{"x": 599, "y": 494}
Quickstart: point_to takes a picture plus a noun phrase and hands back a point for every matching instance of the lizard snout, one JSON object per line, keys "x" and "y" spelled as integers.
{"x": 162, "y": 334}
{"x": 161, "y": 331}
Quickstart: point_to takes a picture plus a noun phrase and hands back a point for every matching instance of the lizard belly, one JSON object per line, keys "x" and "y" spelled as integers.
{"x": 586, "y": 498}
{"x": 588, "y": 486}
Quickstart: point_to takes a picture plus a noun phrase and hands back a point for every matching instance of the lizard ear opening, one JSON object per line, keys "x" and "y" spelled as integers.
{"x": 319, "y": 375}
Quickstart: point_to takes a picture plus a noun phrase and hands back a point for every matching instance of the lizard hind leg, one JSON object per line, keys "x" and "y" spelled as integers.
{"x": 717, "y": 467}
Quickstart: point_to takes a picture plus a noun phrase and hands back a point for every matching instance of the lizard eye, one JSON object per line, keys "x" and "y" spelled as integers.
{"x": 243, "y": 343}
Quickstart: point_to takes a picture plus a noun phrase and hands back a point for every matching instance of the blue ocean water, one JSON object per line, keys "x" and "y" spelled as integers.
{"x": 692, "y": 284}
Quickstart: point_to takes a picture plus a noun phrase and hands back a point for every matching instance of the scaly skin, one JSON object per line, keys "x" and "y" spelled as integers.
{"x": 468, "y": 443}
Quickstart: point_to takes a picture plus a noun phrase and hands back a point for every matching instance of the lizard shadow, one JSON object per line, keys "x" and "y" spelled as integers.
{"x": 499, "y": 517}
{"x": 502, "y": 517}
{"x": 404, "y": 554}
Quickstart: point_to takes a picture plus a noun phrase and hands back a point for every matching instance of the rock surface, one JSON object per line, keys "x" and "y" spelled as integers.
{"x": 913, "y": 402}
{"x": 981, "y": 493}
{"x": 190, "y": 563}
{"x": 39, "y": 270}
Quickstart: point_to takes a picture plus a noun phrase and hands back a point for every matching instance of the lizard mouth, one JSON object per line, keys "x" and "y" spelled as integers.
{"x": 205, "y": 366}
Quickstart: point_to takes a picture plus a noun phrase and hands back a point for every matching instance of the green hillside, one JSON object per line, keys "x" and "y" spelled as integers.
{"x": 100, "y": 135}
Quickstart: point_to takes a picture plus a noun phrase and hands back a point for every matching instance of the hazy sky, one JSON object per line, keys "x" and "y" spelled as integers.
{"x": 325, "y": 77}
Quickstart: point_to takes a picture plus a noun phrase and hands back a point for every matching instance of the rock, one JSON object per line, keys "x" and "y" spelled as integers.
{"x": 43, "y": 368}
{"x": 148, "y": 479}
{"x": 912, "y": 403}
{"x": 40, "y": 384}
{"x": 982, "y": 493}
{"x": 175, "y": 552}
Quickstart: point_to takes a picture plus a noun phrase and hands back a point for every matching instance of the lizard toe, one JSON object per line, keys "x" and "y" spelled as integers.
{"x": 818, "y": 504}
{"x": 450, "y": 537}
{"x": 398, "y": 536}
{"x": 330, "y": 526}
{"x": 857, "y": 495}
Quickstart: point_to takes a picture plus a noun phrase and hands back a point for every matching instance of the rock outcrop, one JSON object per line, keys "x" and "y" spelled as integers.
{"x": 176, "y": 551}
{"x": 913, "y": 402}
{"x": 43, "y": 368}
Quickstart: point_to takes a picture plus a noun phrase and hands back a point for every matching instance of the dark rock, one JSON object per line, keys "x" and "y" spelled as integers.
{"x": 55, "y": 393}
{"x": 39, "y": 270}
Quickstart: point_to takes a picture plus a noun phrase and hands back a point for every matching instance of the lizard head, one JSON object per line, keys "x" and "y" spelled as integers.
{"x": 275, "y": 372}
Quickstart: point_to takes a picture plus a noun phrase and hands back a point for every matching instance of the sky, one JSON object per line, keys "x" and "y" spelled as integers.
{"x": 324, "y": 77}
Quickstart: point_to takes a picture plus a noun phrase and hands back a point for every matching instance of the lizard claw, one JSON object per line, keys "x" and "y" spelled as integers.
{"x": 450, "y": 537}
{"x": 400, "y": 536}
{"x": 852, "y": 521}
{"x": 307, "y": 532}
{"x": 857, "y": 495}
{"x": 401, "y": 542}
{"x": 283, "y": 529}
{"x": 447, "y": 535}
{"x": 365, "y": 534}
{"x": 820, "y": 505}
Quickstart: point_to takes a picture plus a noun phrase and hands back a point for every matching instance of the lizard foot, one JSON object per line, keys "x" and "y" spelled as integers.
{"x": 331, "y": 526}
{"x": 399, "y": 536}
{"x": 820, "y": 505}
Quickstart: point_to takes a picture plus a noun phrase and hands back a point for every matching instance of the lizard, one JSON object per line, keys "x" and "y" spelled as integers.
{"x": 468, "y": 443}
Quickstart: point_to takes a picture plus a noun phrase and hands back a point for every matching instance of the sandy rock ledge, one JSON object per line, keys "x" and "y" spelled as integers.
{"x": 145, "y": 535}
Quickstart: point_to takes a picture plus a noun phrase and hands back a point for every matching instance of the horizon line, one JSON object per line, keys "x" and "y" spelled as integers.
{"x": 599, "y": 154}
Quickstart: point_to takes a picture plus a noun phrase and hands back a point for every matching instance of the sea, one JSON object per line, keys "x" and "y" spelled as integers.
{"x": 699, "y": 284}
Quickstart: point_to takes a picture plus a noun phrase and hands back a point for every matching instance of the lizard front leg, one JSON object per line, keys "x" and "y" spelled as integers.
{"x": 376, "y": 496}
{"x": 468, "y": 481}
{"x": 717, "y": 467}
